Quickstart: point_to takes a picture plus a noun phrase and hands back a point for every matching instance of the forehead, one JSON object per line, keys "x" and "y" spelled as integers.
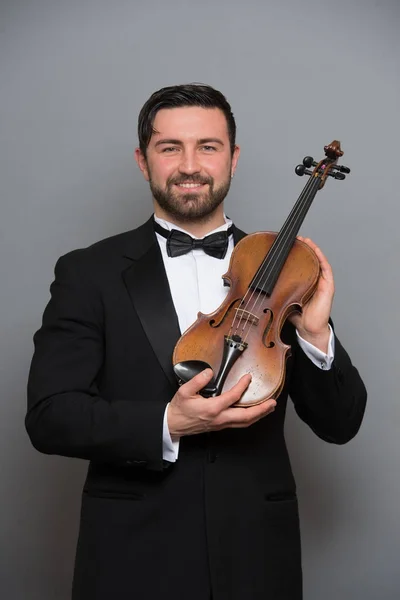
{"x": 190, "y": 122}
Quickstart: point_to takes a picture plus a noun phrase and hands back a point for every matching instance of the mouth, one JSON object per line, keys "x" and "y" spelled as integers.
{"x": 190, "y": 186}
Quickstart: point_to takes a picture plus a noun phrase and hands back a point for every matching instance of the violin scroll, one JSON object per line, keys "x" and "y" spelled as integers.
{"x": 333, "y": 150}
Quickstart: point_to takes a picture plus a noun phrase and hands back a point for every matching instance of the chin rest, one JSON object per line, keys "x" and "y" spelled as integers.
{"x": 186, "y": 370}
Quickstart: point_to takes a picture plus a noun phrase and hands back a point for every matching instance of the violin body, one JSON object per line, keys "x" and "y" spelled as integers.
{"x": 265, "y": 354}
{"x": 270, "y": 276}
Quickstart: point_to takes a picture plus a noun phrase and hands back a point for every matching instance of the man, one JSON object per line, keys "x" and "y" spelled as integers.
{"x": 186, "y": 497}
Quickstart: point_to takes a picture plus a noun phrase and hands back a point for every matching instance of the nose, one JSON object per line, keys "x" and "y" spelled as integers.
{"x": 189, "y": 163}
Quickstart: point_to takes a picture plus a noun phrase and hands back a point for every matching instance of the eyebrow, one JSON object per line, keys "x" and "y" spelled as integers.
{"x": 200, "y": 142}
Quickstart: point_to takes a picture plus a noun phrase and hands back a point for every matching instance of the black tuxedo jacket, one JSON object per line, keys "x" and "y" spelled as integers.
{"x": 224, "y": 517}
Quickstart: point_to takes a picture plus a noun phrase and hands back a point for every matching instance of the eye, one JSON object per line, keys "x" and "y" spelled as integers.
{"x": 169, "y": 149}
{"x": 209, "y": 148}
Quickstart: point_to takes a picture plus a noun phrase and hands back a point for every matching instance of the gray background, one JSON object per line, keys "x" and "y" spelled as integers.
{"x": 298, "y": 74}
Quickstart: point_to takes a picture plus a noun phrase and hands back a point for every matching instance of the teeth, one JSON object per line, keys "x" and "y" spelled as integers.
{"x": 189, "y": 185}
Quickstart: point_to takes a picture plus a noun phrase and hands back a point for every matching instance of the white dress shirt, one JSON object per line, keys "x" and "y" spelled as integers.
{"x": 196, "y": 285}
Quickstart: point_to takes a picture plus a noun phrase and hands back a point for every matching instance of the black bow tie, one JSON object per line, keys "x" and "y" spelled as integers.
{"x": 179, "y": 242}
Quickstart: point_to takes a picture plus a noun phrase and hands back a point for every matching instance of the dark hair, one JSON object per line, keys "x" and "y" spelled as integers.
{"x": 175, "y": 96}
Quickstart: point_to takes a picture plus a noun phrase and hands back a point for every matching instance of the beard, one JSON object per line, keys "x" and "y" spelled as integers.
{"x": 193, "y": 206}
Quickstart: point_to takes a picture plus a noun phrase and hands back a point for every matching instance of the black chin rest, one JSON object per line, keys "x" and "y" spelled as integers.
{"x": 185, "y": 371}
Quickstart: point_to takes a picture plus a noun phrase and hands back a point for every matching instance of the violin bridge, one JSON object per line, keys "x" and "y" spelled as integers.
{"x": 247, "y": 316}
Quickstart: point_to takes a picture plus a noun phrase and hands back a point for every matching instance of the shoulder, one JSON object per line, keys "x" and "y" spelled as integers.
{"x": 111, "y": 249}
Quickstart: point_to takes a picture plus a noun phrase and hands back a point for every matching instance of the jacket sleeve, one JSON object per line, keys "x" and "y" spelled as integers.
{"x": 331, "y": 402}
{"x": 66, "y": 415}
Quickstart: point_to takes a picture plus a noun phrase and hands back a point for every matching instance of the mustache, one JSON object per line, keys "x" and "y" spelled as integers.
{"x": 189, "y": 179}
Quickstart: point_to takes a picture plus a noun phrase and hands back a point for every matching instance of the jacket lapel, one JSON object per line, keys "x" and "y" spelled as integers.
{"x": 148, "y": 288}
{"x": 238, "y": 234}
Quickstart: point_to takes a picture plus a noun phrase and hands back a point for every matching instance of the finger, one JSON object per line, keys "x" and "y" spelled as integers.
{"x": 295, "y": 318}
{"x": 192, "y": 387}
{"x": 326, "y": 268}
{"x": 244, "y": 417}
{"x": 226, "y": 399}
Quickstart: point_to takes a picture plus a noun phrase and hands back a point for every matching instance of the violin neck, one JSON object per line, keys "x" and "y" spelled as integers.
{"x": 268, "y": 273}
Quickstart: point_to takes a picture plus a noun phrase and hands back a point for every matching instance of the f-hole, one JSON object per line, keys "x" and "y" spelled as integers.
{"x": 269, "y": 314}
{"x": 217, "y": 323}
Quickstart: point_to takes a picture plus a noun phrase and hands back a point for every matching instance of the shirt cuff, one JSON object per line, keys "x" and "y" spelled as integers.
{"x": 319, "y": 358}
{"x": 170, "y": 448}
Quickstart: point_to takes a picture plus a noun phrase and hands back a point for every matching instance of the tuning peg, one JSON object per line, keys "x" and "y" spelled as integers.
{"x": 301, "y": 170}
{"x": 308, "y": 161}
{"x": 341, "y": 168}
{"x": 337, "y": 175}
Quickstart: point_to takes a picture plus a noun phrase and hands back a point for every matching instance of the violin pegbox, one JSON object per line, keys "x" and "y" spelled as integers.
{"x": 326, "y": 167}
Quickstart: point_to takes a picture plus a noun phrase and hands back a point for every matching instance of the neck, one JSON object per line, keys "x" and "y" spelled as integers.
{"x": 198, "y": 227}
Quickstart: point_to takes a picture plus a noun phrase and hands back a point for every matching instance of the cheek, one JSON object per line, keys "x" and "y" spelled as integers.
{"x": 218, "y": 170}
{"x": 163, "y": 170}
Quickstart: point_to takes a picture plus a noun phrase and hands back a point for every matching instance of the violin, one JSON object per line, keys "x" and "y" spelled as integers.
{"x": 270, "y": 276}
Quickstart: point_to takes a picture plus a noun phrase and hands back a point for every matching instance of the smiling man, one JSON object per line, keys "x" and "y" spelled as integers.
{"x": 186, "y": 497}
{"x": 189, "y": 163}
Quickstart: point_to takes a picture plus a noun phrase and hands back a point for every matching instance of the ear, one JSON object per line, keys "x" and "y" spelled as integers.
{"x": 235, "y": 159}
{"x": 142, "y": 163}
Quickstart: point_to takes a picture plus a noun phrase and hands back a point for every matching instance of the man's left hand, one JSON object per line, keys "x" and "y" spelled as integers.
{"x": 312, "y": 323}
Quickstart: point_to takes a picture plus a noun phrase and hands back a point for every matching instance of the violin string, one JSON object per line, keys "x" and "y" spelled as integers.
{"x": 266, "y": 263}
{"x": 269, "y": 264}
{"x": 277, "y": 252}
{"x": 270, "y": 261}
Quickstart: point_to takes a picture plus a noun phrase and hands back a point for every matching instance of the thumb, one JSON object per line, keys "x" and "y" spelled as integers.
{"x": 194, "y": 385}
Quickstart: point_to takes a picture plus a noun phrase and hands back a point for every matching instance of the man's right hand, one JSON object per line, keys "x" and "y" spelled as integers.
{"x": 189, "y": 413}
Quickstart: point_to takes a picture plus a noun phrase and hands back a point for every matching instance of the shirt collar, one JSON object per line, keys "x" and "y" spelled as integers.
{"x": 169, "y": 226}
